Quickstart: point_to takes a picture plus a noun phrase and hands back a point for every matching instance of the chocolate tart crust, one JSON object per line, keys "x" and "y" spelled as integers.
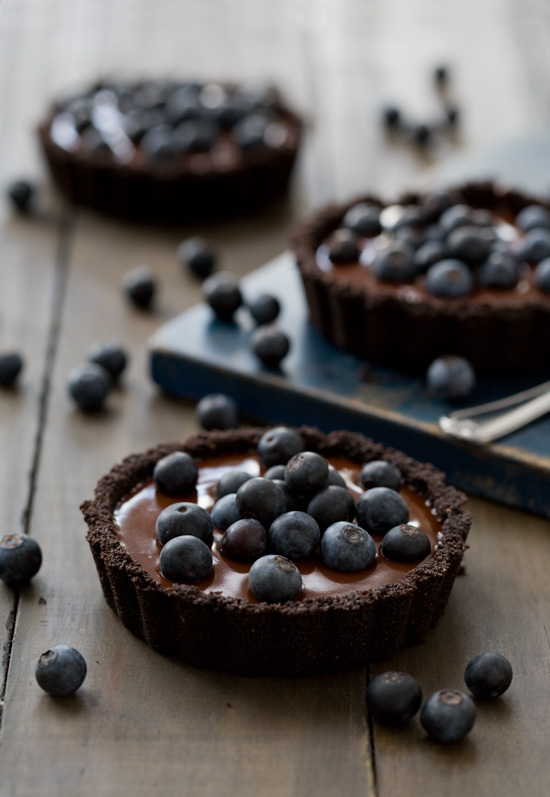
{"x": 296, "y": 638}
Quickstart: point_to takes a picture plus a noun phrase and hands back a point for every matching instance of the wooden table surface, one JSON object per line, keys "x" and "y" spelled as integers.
{"x": 142, "y": 723}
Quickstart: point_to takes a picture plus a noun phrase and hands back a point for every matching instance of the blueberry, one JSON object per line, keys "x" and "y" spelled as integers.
{"x": 429, "y": 253}
{"x": 330, "y": 505}
{"x": 533, "y": 217}
{"x": 270, "y": 345}
{"x": 535, "y": 246}
{"x": 183, "y": 103}
{"x": 197, "y": 256}
{"x": 249, "y": 132}
{"x": 293, "y": 502}
{"x": 185, "y": 559}
{"x": 224, "y": 512}
{"x": 469, "y": 244}
{"x": 448, "y": 715}
{"x": 231, "y": 481}
{"x": 449, "y": 278}
{"x": 274, "y": 579}
{"x": 20, "y": 559}
{"x": 223, "y": 294}
{"x": 347, "y": 547}
{"x": 436, "y": 203}
{"x": 140, "y": 286}
{"x": 393, "y": 698}
{"x": 276, "y": 472}
{"x": 20, "y": 193}
{"x": 488, "y": 675}
{"x": 217, "y": 411}
{"x": 157, "y": 142}
{"x": 194, "y": 135}
{"x": 60, "y": 671}
{"x": 335, "y": 478}
{"x": 406, "y": 543}
{"x": 264, "y": 309}
{"x": 380, "y": 473}
{"x": 306, "y": 473}
{"x": 391, "y": 117}
{"x": 11, "y": 365}
{"x": 244, "y": 540}
{"x": 454, "y": 217}
{"x": 363, "y": 219}
{"x": 499, "y": 271}
{"x": 175, "y": 474}
{"x": 110, "y": 355}
{"x": 542, "y": 275}
{"x": 482, "y": 217}
{"x": 395, "y": 262}
{"x": 278, "y": 445}
{"x": 451, "y": 377}
{"x": 343, "y": 247}
{"x": 295, "y": 535}
{"x": 380, "y": 509}
{"x": 184, "y": 518}
{"x": 261, "y": 499}
{"x": 89, "y": 385}
{"x": 409, "y": 234}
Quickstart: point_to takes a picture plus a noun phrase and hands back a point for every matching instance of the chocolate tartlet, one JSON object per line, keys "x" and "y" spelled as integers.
{"x": 370, "y": 277}
{"x": 168, "y": 151}
{"x": 339, "y": 620}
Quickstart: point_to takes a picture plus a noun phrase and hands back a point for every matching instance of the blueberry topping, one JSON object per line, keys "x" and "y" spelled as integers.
{"x": 295, "y": 535}
{"x": 249, "y": 132}
{"x": 454, "y": 217}
{"x": 293, "y": 502}
{"x": 261, "y": 499}
{"x": 393, "y": 698}
{"x": 176, "y": 474}
{"x": 245, "y": 540}
{"x": 306, "y": 473}
{"x": 157, "y": 142}
{"x": 194, "y": 135}
{"x": 429, "y": 253}
{"x": 110, "y": 355}
{"x": 363, "y": 219}
{"x": 20, "y": 193}
{"x": 60, "y": 671}
{"x": 217, "y": 411}
{"x": 469, "y": 244}
{"x": 89, "y": 385}
{"x": 264, "y": 309}
{"x": 274, "y": 579}
{"x": 276, "y": 472}
{"x": 185, "y": 559}
{"x": 184, "y": 518}
{"x": 223, "y": 294}
{"x": 347, "y": 547}
{"x": 449, "y": 278}
{"x": 499, "y": 271}
{"x": 20, "y": 559}
{"x": 448, "y": 715}
{"x": 140, "y": 286}
{"x": 451, "y": 377}
{"x": 11, "y": 365}
{"x": 197, "y": 256}
{"x": 380, "y": 509}
{"x": 488, "y": 675}
{"x": 224, "y": 512}
{"x": 330, "y": 505}
{"x": 270, "y": 345}
{"x": 379, "y": 473}
{"x": 542, "y": 275}
{"x": 406, "y": 543}
{"x": 344, "y": 247}
{"x": 535, "y": 246}
{"x": 231, "y": 481}
{"x": 278, "y": 445}
{"x": 533, "y": 217}
{"x": 395, "y": 262}
{"x": 335, "y": 478}
{"x": 436, "y": 203}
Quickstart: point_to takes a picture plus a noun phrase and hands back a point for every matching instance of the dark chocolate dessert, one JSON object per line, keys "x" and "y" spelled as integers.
{"x": 212, "y": 557}
{"x": 171, "y": 151}
{"x": 461, "y": 272}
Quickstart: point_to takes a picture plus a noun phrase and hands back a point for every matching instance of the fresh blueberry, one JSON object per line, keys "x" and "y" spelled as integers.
{"x": 197, "y": 256}
{"x": 380, "y": 509}
{"x": 157, "y": 142}
{"x": 278, "y": 445}
{"x": 395, "y": 262}
{"x": 249, "y": 132}
{"x": 245, "y": 540}
{"x": 429, "y": 253}
{"x": 20, "y": 193}
{"x": 224, "y": 512}
{"x": 270, "y": 345}
{"x": 363, "y": 219}
{"x": 261, "y": 499}
{"x": 542, "y": 275}
{"x": 140, "y": 286}
{"x": 535, "y": 246}
{"x": 406, "y": 543}
{"x": 293, "y": 502}
{"x": 231, "y": 481}
{"x": 223, "y": 294}
{"x": 274, "y": 579}
{"x": 184, "y": 518}
{"x": 20, "y": 559}
{"x": 176, "y": 474}
{"x": 183, "y": 103}
{"x": 89, "y": 385}
{"x": 60, "y": 671}
{"x": 391, "y": 117}
{"x": 217, "y": 411}
{"x": 295, "y": 535}
{"x": 448, "y": 715}
{"x": 343, "y": 247}
{"x": 451, "y": 377}
{"x": 449, "y": 278}
{"x": 11, "y": 365}
{"x": 330, "y": 505}
{"x": 276, "y": 472}
{"x": 194, "y": 135}
{"x": 393, "y": 698}
{"x": 499, "y": 271}
{"x": 409, "y": 234}
{"x": 482, "y": 217}
{"x": 335, "y": 478}
{"x": 380, "y": 473}
{"x": 533, "y": 217}
{"x": 435, "y": 203}
{"x": 264, "y": 309}
{"x": 185, "y": 559}
{"x": 347, "y": 547}
{"x": 306, "y": 473}
{"x": 488, "y": 675}
{"x": 469, "y": 244}
{"x": 454, "y": 217}
{"x": 110, "y": 355}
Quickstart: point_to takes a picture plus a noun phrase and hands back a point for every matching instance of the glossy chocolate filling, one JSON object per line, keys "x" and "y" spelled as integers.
{"x": 136, "y": 518}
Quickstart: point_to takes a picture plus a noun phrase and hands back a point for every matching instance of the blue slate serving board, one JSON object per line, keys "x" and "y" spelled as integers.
{"x": 196, "y": 354}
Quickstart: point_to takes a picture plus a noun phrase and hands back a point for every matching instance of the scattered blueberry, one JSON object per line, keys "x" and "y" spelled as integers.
{"x": 469, "y": 244}
{"x": 264, "y": 309}
{"x": 499, "y": 271}
{"x": 449, "y": 278}
{"x": 185, "y": 559}
{"x": 363, "y": 219}
{"x": 274, "y": 579}
{"x": 20, "y": 193}
{"x": 429, "y": 253}
{"x": 275, "y": 472}
{"x": 261, "y": 499}
{"x": 335, "y": 478}
{"x": 448, "y": 715}
{"x": 223, "y": 294}
{"x": 217, "y": 411}
{"x": 488, "y": 675}
{"x": 406, "y": 543}
{"x": 278, "y": 445}
{"x": 20, "y": 559}
{"x": 175, "y": 474}
{"x": 454, "y": 217}
{"x": 379, "y": 473}
{"x": 110, "y": 355}
{"x": 184, "y": 518}
{"x": 347, "y": 547}
{"x": 330, "y": 505}
{"x": 224, "y": 512}
{"x": 293, "y": 502}
{"x": 306, "y": 473}
{"x": 245, "y": 540}
{"x": 380, "y": 509}
{"x": 11, "y": 365}
{"x": 295, "y": 535}
{"x": 270, "y": 345}
{"x": 344, "y": 247}
{"x": 198, "y": 257}
{"x": 60, "y": 671}
{"x": 542, "y": 275}
{"x": 89, "y": 385}
{"x": 395, "y": 262}
{"x": 393, "y": 698}
{"x": 140, "y": 286}
{"x": 451, "y": 377}
{"x": 535, "y": 246}
{"x": 249, "y": 132}
{"x": 533, "y": 217}
{"x": 231, "y": 481}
